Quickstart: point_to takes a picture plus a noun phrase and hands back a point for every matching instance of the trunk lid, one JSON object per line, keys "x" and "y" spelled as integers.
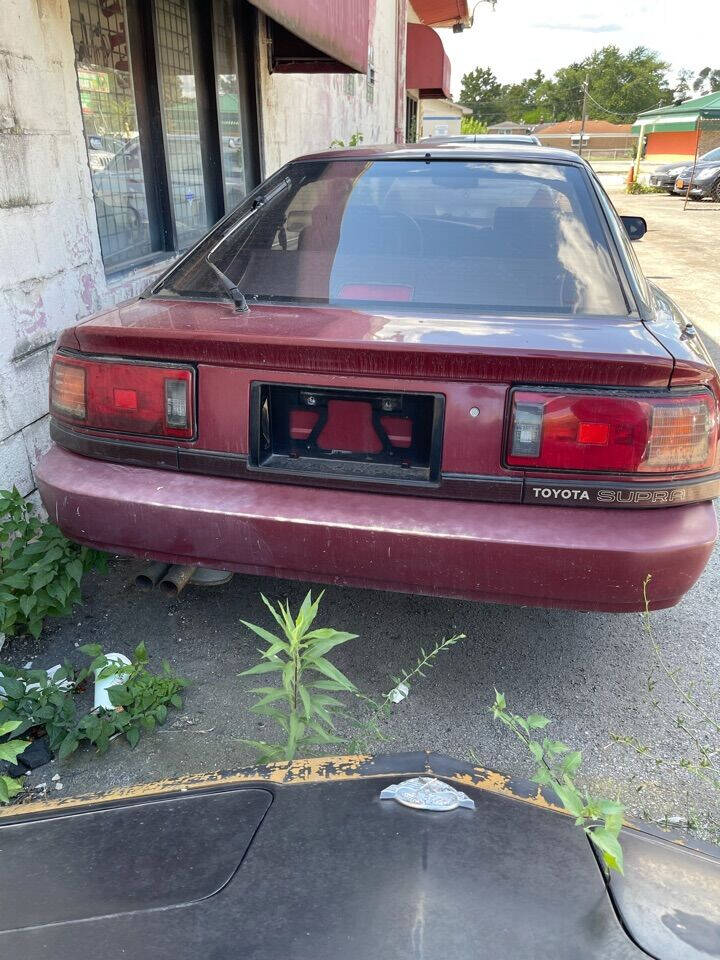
{"x": 326, "y": 340}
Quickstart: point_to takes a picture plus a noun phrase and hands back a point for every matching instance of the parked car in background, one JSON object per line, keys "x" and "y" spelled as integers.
{"x": 702, "y": 179}
{"x": 485, "y": 138}
{"x": 665, "y": 176}
{"x": 432, "y": 368}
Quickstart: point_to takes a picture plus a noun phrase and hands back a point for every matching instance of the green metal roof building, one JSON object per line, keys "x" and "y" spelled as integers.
{"x": 679, "y": 130}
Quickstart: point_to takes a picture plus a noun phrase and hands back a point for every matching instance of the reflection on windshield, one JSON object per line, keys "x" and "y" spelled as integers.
{"x": 470, "y": 235}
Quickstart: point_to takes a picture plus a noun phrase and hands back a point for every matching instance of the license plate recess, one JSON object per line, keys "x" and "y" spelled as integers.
{"x": 359, "y": 434}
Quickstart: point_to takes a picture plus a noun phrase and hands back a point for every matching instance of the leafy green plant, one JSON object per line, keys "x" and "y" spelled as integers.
{"x": 380, "y": 710}
{"x": 40, "y": 569}
{"x": 472, "y": 125}
{"x": 140, "y": 702}
{"x": 637, "y": 187}
{"x": 557, "y": 764}
{"x": 31, "y": 700}
{"x": 303, "y": 706}
{"x": 355, "y": 140}
{"x": 10, "y": 750}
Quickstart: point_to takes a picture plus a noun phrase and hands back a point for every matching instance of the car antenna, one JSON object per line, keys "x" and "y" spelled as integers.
{"x": 232, "y": 289}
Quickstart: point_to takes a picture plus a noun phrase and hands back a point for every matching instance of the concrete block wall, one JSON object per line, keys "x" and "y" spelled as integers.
{"x": 50, "y": 268}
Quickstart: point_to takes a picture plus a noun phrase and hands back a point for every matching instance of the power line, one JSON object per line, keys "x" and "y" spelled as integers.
{"x": 614, "y": 113}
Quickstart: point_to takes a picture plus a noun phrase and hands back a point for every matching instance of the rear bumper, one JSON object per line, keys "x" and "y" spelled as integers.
{"x": 578, "y": 558}
{"x": 702, "y": 190}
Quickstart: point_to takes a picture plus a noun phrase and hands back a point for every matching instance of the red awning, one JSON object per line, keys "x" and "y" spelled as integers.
{"x": 428, "y": 68}
{"x": 442, "y": 13}
{"x": 318, "y": 36}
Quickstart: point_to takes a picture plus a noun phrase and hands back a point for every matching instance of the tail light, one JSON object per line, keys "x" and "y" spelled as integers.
{"x": 594, "y": 432}
{"x": 124, "y": 396}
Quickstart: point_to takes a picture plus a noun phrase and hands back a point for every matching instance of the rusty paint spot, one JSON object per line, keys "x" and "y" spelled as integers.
{"x": 303, "y": 772}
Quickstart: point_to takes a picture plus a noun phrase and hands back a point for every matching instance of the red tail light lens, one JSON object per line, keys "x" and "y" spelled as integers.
{"x": 599, "y": 433}
{"x": 124, "y": 396}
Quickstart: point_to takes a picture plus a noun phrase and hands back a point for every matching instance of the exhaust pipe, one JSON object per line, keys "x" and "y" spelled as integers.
{"x": 151, "y": 576}
{"x": 176, "y": 579}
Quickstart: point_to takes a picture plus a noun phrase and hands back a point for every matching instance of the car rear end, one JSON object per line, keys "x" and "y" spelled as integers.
{"x": 443, "y": 385}
{"x": 665, "y": 176}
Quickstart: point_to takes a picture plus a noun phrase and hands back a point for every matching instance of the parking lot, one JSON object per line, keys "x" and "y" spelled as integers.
{"x": 588, "y": 672}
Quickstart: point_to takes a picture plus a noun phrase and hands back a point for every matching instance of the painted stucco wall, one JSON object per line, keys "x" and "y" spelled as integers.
{"x": 439, "y": 118}
{"x": 667, "y": 147}
{"x": 302, "y": 113}
{"x": 51, "y": 272}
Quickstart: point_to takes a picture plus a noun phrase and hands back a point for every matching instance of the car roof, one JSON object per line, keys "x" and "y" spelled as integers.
{"x": 465, "y": 150}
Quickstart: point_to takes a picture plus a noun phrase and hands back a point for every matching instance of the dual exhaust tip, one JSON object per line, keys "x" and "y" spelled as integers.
{"x": 171, "y": 579}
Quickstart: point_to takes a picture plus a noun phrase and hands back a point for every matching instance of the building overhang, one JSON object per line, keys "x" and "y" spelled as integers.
{"x": 428, "y": 66}
{"x": 442, "y": 13}
{"x": 317, "y": 36}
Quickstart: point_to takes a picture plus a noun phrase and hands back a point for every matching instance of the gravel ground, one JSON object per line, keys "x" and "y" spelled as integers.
{"x": 588, "y": 672}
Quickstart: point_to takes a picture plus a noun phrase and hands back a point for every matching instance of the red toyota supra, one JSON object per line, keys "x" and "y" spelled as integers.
{"x": 429, "y": 368}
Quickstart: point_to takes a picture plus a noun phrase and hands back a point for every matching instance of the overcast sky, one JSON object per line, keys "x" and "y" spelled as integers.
{"x": 520, "y": 36}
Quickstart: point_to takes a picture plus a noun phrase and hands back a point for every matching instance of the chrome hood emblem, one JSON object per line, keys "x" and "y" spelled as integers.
{"x": 427, "y": 793}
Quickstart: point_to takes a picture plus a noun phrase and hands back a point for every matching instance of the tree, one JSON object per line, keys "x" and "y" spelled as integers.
{"x": 471, "y": 125}
{"x": 520, "y": 99}
{"x": 682, "y": 89}
{"x": 482, "y": 93}
{"x": 620, "y": 85}
{"x": 707, "y": 81}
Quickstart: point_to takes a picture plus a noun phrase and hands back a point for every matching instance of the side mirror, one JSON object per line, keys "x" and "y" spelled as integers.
{"x": 635, "y": 227}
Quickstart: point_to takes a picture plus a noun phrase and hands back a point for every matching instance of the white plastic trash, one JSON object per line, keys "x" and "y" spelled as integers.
{"x": 102, "y": 698}
{"x": 399, "y": 693}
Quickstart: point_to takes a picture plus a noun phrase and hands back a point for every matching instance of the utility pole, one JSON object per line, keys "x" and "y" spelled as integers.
{"x": 584, "y": 114}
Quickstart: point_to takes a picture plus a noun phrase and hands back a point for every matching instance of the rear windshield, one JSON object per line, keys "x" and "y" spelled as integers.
{"x": 485, "y": 236}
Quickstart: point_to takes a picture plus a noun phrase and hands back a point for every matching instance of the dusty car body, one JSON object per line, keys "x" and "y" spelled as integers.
{"x": 305, "y": 860}
{"x": 458, "y": 384}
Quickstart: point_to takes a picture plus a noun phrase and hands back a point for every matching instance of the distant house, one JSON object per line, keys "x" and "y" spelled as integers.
{"x": 598, "y": 135}
{"x": 509, "y": 126}
{"x": 676, "y": 132}
{"x": 441, "y": 118}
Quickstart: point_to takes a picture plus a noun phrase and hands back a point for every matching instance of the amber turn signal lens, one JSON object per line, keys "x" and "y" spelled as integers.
{"x": 67, "y": 390}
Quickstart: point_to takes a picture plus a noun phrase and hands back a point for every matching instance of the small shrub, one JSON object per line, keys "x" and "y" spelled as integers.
{"x": 140, "y": 703}
{"x": 10, "y": 750}
{"x": 303, "y": 707}
{"x": 637, "y": 187}
{"x": 557, "y": 764}
{"x": 40, "y": 569}
{"x": 355, "y": 140}
{"x": 31, "y": 699}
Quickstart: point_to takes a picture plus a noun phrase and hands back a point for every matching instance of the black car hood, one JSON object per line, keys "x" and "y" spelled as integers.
{"x": 304, "y": 860}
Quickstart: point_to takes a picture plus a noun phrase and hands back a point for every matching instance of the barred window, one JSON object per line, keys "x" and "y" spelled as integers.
{"x": 165, "y": 99}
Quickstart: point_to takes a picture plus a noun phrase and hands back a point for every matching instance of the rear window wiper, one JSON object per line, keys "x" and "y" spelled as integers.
{"x": 232, "y": 289}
